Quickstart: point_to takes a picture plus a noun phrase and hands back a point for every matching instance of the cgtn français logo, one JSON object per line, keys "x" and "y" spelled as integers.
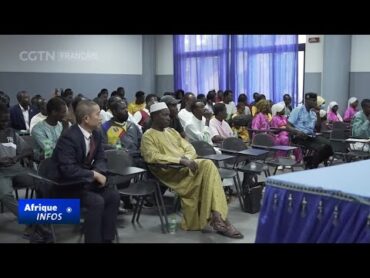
{"x": 49, "y": 211}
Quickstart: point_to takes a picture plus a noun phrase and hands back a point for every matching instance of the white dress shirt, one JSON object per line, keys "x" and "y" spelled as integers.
{"x": 26, "y": 116}
{"x": 87, "y": 137}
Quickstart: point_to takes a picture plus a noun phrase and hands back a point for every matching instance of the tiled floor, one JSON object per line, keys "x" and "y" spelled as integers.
{"x": 148, "y": 231}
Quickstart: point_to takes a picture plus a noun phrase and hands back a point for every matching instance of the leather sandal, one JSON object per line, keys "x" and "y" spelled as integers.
{"x": 229, "y": 230}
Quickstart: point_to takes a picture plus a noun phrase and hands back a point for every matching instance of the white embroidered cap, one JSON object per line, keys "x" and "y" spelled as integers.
{"x": 158, "y": 106}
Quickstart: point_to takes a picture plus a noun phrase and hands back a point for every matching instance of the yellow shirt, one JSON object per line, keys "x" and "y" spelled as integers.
{"x": 133, "y": 107}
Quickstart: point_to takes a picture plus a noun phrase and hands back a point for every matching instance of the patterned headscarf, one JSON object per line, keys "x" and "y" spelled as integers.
{"x": 320, "y": 101}
{"x": 261, "y": 104}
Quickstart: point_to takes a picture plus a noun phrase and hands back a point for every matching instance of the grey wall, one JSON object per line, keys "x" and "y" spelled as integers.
{"x": 312, "y": 82}
{"x": 45, "y": 83}
{"x": 359, "y": 85}
{"x": 336, "y": 69}
{"x": 164, "y": 84}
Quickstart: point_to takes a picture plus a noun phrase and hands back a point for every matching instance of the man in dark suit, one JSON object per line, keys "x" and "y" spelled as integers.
{"x": 21, "y": 113}
{"x": 79, "y": 155}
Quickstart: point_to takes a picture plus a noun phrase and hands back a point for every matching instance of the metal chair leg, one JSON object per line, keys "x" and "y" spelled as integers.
{"x": 141, "y": 204}
{"x": 238, "y": 189}
{"x": 161, "y": 206}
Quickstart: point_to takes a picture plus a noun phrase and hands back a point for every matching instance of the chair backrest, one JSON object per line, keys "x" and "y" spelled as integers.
{"x": 48, "y": 168}
{"x": 339, "y": 134}
{"x": 233, "y": 143}
{"x": 263, "y": 139}
{"x": 29, "y": 140}
{"x": 340, "y": 125}
{"x": 118, "y": 159}
{"x": 203, "y": 148}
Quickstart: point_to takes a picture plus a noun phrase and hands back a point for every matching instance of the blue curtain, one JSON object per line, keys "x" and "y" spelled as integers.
{"x": 267, "y": 64}
{"x": 200, "y": 62}
{"x": 258, "y": 63}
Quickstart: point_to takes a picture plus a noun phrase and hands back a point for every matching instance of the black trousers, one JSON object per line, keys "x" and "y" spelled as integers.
{"x": 101, "y": 206}
{"x": 320, "y": 145}
{"x": 101, "y": 216}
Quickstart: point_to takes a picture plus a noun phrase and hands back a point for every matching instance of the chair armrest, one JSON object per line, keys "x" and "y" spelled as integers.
{"x": 339, "y": 140}
{"x": 127, "y": 171}
{"x": 234, "y": 152}
{"x": 57, "y": 183}
{"x": 169, "y": 165}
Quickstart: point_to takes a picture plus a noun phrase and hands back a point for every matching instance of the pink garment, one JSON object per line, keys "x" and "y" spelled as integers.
{"x": 332, "y": 117}
{"x": 260, "y": 122}
{"x": 282, "y": 138}
{"x": 349, "y": 114}
{"x": 220, "y": 128}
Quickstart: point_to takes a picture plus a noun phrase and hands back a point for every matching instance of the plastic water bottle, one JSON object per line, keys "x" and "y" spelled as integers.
{"x": 48, "y": 151}
{"x": 118, "y": 144}
{"x": 172, "y": 224}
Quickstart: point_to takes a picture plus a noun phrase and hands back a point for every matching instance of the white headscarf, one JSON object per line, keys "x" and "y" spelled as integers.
{"x": 351, "y": 100}
{"x": 330, "y": 106}
{"x": 322, "y": 113}
{"x": 278, "y": 107}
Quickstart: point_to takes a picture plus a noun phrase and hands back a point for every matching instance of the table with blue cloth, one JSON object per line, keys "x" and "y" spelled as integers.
{"x": 325, "y": 205}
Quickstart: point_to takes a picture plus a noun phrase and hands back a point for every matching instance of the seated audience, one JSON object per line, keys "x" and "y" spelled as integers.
{"x": 107, "y": 115}
{"x": 102, "y": 99}
{"x": 288, "y": 104}
{"x": 243, "y": 99}
{"x": 302, "y": 123}
{"x": 230, "y": 104}
{"x": 279, "y": 120}
{"x": 47, "y": 132}
{"x": 22, "y": 113}
{"x": 139, "y": 103}
{"x": 240, "y": 127}
{"x": 351, "y": 109}
{"x": 41, "y": 106}
{"x": 119, "y": 131}
{"x": 219, "y": 128}
{"x": 143, "y": 115}
{"x": 4, "y": 98}
{"x": 80, "y": 156}
{"x": 196, "y": 129}
{"x": 12, "y": 149}
{"x": 361, "y": 121}
{"x": 198, "y": 184}
{"x": 211, "y": 99}
{"x": 67, "y": 96}
{"x": 262, "y": 118}
{"x": 332, "y": 113}
{"x": 185, "y": 114}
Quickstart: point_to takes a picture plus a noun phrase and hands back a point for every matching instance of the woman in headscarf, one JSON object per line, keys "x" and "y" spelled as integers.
{"x": 279, "y": 120}
{"x": 320, "y": 102}
{"x": 263, "y": 117}
{"x": 332, "y": 113}
{"x": 351, "y": 109}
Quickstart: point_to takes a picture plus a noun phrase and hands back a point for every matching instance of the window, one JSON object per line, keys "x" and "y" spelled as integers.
{"x": 200, "y": 62}
{"x": 243, "y": 63}
{"x": 301, "y": 56}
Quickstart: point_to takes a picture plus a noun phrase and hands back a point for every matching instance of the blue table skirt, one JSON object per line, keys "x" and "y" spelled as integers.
{"x": 293, "y": 216}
